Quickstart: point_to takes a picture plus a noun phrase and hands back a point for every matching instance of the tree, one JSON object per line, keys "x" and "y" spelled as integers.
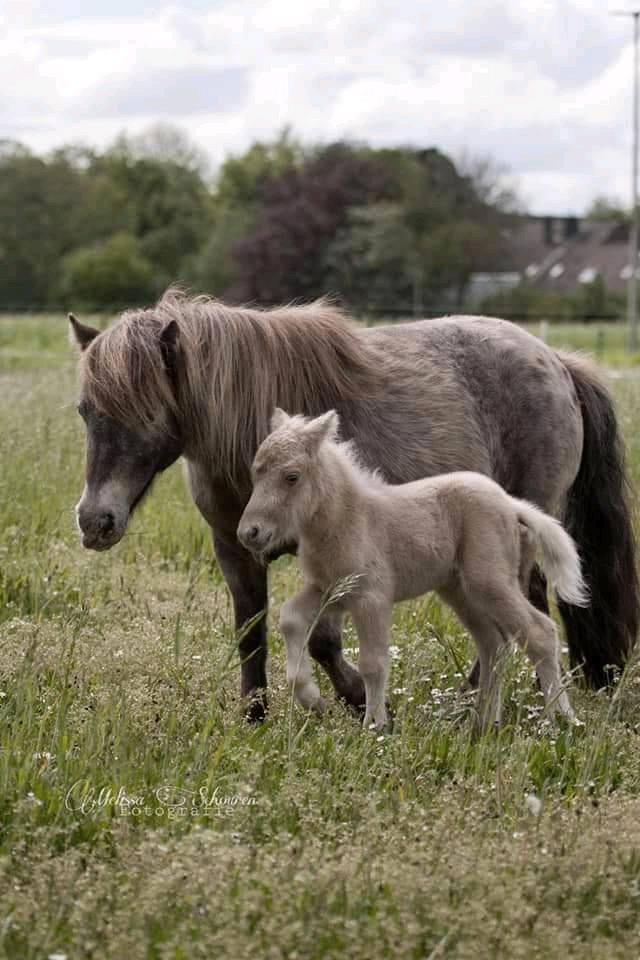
{"x": 241, "y": 179}
{"x": 113, "y": 274}
{"x": 168, "y": 205}
{"x": 420, "y": 250}
{"x": 38, "y": 202}
{"x": 607, "y": 208}
{"x": 370, "y": 261}
{"x": 303, "y": 208}
{"x": 214, "y": 269}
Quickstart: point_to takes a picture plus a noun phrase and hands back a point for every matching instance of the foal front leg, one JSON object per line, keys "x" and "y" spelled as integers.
{"x": 296, "y": 619}
{"x": 372, "y": 620}
{"x": 325, "y": 646}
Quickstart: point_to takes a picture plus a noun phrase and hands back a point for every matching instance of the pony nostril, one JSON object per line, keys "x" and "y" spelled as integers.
{"x": 107, "y": 523}
{"x": 248, "y": 535}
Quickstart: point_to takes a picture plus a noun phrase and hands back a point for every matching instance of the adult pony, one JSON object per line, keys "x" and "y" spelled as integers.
{"x": 196, "y": 378}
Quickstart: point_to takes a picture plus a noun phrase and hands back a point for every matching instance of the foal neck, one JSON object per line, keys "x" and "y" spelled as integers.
{"x": 342, "y": 488}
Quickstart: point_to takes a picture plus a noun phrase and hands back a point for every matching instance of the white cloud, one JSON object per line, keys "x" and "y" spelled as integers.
{"x": 542, "y": 85}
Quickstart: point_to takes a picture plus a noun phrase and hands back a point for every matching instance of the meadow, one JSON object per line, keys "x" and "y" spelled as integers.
{"x": 140, "y": 816}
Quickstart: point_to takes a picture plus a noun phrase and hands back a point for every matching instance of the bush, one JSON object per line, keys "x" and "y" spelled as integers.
{"x": 113, "y": 273}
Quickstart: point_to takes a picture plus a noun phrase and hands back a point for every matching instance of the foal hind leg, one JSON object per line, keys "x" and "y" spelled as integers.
{"x": 535, "y": 632}
{"x": 541, "y": 643}
{"x": 491, "y": 647}
{"x": 296, "y": 618}
{"x": 532, "y": 582}
{"x": 372, "y": 620}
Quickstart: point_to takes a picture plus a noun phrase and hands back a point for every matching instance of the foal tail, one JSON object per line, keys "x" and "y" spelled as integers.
{"x": 559, "y": 556}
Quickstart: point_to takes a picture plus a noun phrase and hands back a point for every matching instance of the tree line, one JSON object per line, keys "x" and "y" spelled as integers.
{"x": 388, "y": 230}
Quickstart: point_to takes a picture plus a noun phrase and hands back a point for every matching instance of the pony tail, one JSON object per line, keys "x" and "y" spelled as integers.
{"x": 598, "y": 516}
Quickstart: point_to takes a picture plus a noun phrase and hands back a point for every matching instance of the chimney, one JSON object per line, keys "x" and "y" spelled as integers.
{"x": 570, "y": 227}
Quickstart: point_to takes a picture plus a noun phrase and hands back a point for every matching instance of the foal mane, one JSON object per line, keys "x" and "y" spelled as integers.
{"x": 232, "y": 366}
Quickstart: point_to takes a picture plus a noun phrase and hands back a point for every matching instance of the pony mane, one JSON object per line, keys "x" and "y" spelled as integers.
{"x": 233, "y": 366}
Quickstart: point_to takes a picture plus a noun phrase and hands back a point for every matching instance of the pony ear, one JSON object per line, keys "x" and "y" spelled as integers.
{"x": 322, "y": 428}
{"x": 169, "y": 335}
{"x": 279, "y": 418}
{"x": 80, "y": 333}
{"x": 169, "y": 347}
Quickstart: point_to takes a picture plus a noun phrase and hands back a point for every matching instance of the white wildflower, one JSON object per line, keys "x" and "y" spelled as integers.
{"x": 533, "y": 804}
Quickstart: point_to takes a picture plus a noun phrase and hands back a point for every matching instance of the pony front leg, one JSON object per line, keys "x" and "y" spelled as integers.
{"x": 247, "y": 581}
{"x": 296, "y": 619}
{"x": 372, "y": 620}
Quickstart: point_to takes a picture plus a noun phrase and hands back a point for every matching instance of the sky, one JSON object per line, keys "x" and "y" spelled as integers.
{"x": 541, "y": 86}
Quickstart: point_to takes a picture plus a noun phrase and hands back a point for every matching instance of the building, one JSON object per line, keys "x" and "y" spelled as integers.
{"x": 558, "y": 255}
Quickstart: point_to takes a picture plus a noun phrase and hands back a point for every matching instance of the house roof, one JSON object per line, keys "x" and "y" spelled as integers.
{"x": 558, "y": 254}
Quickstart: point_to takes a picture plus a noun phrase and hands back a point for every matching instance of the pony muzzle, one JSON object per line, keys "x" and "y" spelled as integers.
{"x": 100, "y": 528}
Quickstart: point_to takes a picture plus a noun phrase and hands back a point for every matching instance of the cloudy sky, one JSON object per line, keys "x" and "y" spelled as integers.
{"x": 541, "y": 85}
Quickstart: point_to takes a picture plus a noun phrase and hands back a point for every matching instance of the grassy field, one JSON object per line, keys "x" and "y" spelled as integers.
{"x": 141, "y": 817}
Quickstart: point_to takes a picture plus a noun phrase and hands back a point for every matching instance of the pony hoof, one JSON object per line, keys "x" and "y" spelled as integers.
{"x": 473, "y": 679}
{"x": 256, "y": 710}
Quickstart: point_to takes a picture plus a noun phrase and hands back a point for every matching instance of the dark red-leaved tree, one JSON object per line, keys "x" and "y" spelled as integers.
{"x": 283, "y": 257}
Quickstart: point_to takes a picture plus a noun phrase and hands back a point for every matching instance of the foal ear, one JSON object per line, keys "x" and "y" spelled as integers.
{"x": 279, "y": 418}
{"x": 81, "y": 334}
{"x": 322, "y": 428}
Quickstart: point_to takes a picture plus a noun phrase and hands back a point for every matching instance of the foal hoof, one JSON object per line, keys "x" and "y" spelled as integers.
{"x": 359, "y": 710}
{"x": 381, "y": 729}
{"x": 318, "y": 707}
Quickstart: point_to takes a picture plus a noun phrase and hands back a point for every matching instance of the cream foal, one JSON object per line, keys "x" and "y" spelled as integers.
{"x": 459, "y": 534}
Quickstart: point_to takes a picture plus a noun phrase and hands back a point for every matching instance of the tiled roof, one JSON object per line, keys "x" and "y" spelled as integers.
{"x": 559, "y": 253}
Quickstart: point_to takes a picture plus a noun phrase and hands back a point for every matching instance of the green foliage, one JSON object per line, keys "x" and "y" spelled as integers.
{"x": 420, "y": 250}
{"x": 241, "y": 179}
{"x": 607, "y": 208}
{"x": 214, "y": 268}
{"x": 281, "y": 221}
{"x": 115, "y": 272}
{"x": 151, "y": 188}
{"x": 592, "y": 301}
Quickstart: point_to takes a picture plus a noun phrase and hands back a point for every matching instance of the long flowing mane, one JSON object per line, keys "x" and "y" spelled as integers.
{"x": 233, "y": 366}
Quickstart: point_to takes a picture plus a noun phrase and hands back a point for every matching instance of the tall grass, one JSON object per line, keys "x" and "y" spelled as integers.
{"x": 141, "y": 817}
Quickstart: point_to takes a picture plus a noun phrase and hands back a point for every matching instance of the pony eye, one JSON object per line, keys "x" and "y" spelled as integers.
{"x": 291, "y": 478}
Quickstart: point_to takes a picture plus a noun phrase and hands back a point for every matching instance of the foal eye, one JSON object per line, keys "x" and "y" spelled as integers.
{"x": 291, "y": 478}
